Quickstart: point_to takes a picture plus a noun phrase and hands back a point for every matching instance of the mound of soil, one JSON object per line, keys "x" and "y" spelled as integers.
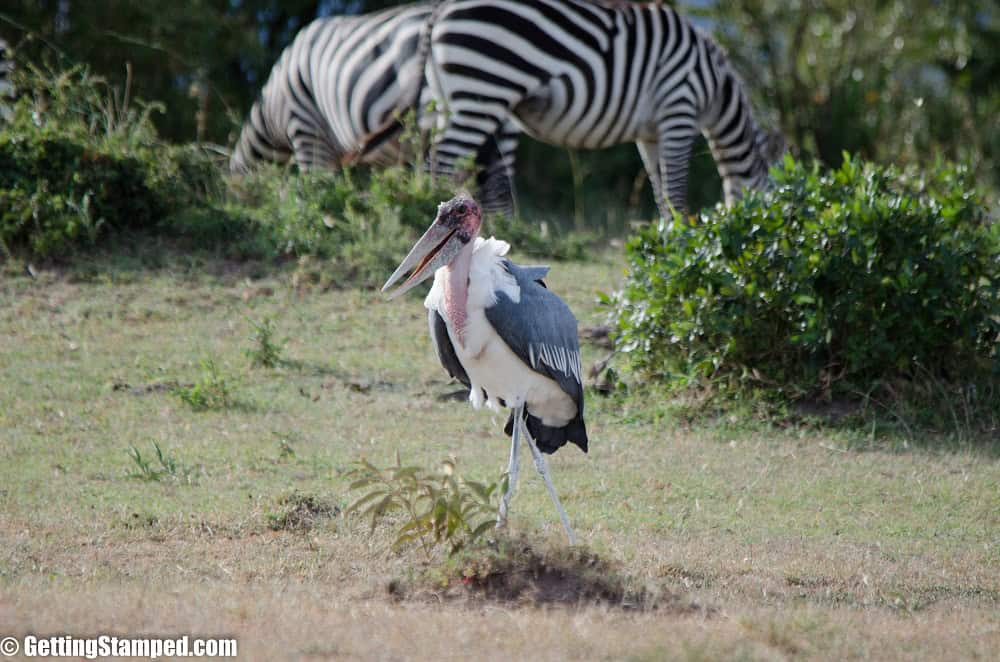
{"x": 514, "y": 573}
{"x": 300, "y": 512}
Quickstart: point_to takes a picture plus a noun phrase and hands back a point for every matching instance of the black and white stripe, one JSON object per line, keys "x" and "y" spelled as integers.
{"x": 334, "y": 96}
{"x": 334, "y": 88}
{"x": 7, "y": 91}
{"x": 590, "y": 75}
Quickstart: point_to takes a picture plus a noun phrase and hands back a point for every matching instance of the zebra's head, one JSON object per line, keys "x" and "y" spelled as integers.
{"x": 751, "y": 172}
{"x": 771, "y": 146}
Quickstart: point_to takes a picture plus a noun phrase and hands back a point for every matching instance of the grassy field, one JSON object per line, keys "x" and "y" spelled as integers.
{"x": 759, "y": 543}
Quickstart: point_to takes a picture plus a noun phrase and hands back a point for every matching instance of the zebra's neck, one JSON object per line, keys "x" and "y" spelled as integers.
{"x": 733, "y": 135}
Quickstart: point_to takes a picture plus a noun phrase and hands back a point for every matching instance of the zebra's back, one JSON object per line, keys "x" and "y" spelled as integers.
{"x": 587, "y": 74}
{"x": 338, "y": 83}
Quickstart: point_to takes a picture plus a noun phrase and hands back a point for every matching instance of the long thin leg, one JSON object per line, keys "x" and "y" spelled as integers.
{"x": 512, "y": 469}
{"x": 543, "y": 469}
{"x": 650, "y": 153}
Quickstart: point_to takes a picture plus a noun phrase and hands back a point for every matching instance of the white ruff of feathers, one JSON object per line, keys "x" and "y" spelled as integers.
{"x": 487, "y": 276}
{"x": 489, "y": 362}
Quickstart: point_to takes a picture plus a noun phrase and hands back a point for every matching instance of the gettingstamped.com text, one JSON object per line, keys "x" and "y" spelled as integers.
{"x": 110, "y": 646}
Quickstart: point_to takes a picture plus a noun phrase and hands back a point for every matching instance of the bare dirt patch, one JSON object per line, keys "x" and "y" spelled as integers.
{"x": 300, "y": 512}
{"x": 515, "y": 573}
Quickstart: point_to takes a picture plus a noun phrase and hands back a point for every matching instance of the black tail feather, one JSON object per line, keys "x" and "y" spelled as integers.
{"x": 550, "y": 439}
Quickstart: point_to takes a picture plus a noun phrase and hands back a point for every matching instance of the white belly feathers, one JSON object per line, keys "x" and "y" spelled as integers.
{"x": 490, "y": 363}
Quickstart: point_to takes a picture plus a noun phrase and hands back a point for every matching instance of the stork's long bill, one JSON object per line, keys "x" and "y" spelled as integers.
{"x": 455, "y": 227}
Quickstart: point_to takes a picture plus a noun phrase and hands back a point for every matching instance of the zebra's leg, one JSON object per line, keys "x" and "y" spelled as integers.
{"x": 676, "y": 142}
{"x": 496, "y": 179}
{"x": 649, "y": 151}
{"x": 472, "y": 140}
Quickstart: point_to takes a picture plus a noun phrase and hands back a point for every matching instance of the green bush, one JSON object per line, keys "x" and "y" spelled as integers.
{"x": 831, "y": 284}
{"x": 80, "y": 164}
{"x": 361, "y": 223}
{"x": 77, "y": 160}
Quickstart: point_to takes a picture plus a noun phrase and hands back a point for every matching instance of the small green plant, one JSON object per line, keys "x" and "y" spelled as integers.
{"x": 212, "y": 392}
{"x": 266, "y": 350}
{"x": 285, "y": 450}
{"x": 439, "y": 508}
{"x": 168, "y": 466}
{"x": 859, "y": 283}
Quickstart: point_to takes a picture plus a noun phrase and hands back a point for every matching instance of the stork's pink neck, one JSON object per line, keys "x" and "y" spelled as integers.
{"x": 456, "y": 291}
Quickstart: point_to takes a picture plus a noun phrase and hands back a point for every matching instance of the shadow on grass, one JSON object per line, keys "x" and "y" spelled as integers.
{"x": 516, "y": 572}
{"x": 852, "y": 426}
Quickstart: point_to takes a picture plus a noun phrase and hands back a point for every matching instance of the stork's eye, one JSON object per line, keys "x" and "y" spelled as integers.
{"x": 462, "y": 208}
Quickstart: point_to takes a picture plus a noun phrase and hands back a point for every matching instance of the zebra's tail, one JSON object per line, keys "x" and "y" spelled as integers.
{"x": 258, "y": 143}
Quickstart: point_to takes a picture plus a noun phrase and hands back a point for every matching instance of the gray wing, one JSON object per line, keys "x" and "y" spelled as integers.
{"x": 445, "y": 350}
{"x": 541, "y": 330}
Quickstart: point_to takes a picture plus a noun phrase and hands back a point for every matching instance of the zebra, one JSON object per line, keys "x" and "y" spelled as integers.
{"x": 334, "y": 96}
{"x": 7, "y": 91}
{"x": 592, "y": 74}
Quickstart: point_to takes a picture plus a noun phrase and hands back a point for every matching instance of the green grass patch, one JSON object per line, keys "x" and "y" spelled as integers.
{"x": 717, "y": 515}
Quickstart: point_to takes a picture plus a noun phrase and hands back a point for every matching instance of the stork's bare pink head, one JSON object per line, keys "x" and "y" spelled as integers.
{"x": 455, "y": 226}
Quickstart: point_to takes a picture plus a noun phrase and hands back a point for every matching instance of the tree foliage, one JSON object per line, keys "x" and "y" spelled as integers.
{"x": 891, "y": 80}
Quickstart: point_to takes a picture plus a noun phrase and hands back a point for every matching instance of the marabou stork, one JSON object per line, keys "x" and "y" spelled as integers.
{"x": 501, "y": 332}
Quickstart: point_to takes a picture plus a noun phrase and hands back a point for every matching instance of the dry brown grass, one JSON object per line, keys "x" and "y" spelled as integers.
{"x": 758, "y": 543}
{"x": 278, "y": 618}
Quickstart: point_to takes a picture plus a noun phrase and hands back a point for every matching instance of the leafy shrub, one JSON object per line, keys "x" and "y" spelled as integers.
{"x": 441, "y": 508}
{"x": 830, "y": 284}
{"x": 76, "y": 160}
{"x": 362, "y": 222}
{"x": 80, "y": 163}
